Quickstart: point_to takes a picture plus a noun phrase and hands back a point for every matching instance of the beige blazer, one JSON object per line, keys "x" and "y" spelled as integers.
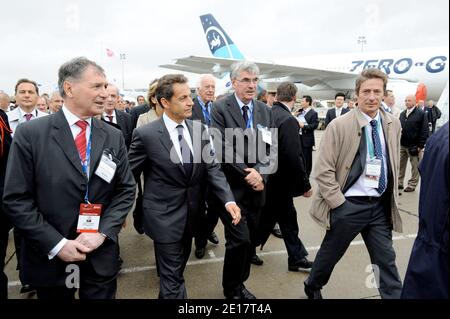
{"x": 337, "y": 151}
{"x": 146, "y": 118}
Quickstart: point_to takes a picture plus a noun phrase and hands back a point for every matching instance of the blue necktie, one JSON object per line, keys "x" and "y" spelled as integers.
{"x": 379, "y": 155}
{"x": 245, "y": 114}
{"x": 207, "y": 114}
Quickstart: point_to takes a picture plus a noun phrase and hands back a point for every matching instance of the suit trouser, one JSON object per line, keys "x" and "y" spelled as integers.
{"x": 287, "y": 219}
{"x": 209, "y": 222}
{"x": 307, "y": 155}
{"x": 368, "y": 217}
{"x": 92, "y": 286}
{"x": 414, "y": 160}
{"x": 4, "y": 236}
{"x": 172, "y": 259}
{"x": 239, "y": 248}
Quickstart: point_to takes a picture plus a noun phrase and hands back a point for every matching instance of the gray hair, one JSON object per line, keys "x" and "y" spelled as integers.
{"x": 238, "y": 67}
{"x": 114, "y": 86}
{"x": 72, "y": 71}
{"x": 203, "y": 77}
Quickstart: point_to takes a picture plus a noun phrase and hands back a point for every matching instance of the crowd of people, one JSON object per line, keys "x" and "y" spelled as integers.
{"x": 75, "y": 162}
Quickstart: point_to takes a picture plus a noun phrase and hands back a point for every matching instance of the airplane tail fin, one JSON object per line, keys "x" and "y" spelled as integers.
{"x": 220, "y": 44}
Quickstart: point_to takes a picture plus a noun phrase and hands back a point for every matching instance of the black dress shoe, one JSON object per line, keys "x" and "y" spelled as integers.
{"x": 27, "y": 289}
{"x": 247, "y": 294}
{"x": 311, "y": 293}
{"x": 213, "y": 238}
{"x": 233, "y": 294}
{"x": 255, "y": 260}
{"x": 303, "y": 265}
{"x": 277, "y": 233}
{"x": 200, "y": 252}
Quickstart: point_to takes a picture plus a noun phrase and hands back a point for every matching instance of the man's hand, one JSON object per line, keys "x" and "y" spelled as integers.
{"x": 253, "y": 178}
{"x": 234, "y": 211}
{"x": 91, "y": 240}
{"x": 73, "y": 251}
{"x": 301, "y": 124}
{"x": 258, "y": 187}
{"x": 308, "y": 193}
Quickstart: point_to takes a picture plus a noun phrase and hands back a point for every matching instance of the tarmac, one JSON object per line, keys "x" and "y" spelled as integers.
{"x": 351, "y": 278}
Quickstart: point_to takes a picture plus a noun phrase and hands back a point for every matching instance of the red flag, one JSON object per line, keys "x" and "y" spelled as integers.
{"x": 109, "y": 53}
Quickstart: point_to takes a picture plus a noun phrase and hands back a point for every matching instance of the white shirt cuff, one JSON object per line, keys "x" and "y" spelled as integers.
{"x": 57, "y": 248}
{"x": 227, "y": 203}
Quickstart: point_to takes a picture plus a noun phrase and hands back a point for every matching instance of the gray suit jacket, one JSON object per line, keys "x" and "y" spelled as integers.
{"x": 172, "y": 199}
{"x": 227, "y": 114}
{"x": 45, "y": 186}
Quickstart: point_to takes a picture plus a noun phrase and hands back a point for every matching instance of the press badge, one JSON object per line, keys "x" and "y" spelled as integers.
{"x": 266, "y": 134}
{"x": 373, "y": 172}
{"x": 107, "y": 168}
{"x": 89, "y": 218}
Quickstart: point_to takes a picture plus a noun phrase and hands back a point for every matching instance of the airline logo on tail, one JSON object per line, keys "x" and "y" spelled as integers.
{"x": 220, "y": 44}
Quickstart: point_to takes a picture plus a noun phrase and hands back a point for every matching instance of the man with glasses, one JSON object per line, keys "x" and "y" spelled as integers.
{"x": 243, "y": 121}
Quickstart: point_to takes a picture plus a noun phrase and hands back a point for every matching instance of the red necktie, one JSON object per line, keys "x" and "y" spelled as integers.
{"x": 80, "y": 140}
{"x": 110, "y": 118}
{"x": 28, "y": 116}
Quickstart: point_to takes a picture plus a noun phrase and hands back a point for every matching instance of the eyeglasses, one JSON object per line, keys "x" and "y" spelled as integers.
{"x": 248, "y": 81}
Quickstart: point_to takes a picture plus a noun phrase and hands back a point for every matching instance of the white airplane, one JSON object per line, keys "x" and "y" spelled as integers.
{"x": 422, "y": 71}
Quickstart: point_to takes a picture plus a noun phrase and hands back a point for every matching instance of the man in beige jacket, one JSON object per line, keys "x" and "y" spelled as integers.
{"x": 357, "y": 175}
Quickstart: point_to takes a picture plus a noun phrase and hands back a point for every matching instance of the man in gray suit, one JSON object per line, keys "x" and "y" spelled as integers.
{"x": 68, "y": 189}
{"x": 173, "y": 153}
{"x": 245, "y": 132}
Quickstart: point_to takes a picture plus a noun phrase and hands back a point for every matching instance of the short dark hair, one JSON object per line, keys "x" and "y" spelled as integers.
{"x": 164, "y": 90}
{"x": 261, "y": 95}
{"x": 26, "y": 81}
{"x": 308, "y": 99}
{"x": 339, "y": 94}
{"x": 73, "y": 69}
{"x": 286, "y": 92}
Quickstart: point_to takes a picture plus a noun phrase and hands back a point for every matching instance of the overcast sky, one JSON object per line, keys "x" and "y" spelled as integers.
{"x": 38, "y": 36}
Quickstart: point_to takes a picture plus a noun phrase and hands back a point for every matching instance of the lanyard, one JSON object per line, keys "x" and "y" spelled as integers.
{"x": 85, "y": 166}
{"x": 250, "y": 118}
{"x": 369, "y": 140}
{"x": 206, "y": 114}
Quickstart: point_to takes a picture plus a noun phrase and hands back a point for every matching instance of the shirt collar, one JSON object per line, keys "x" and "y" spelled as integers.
{"x": 22, "y": 113}
{"x": 241, "y": 104}
{"x": 203, "y": 104}
{"x": 113, "y": 114}
{"x": 171, "y": 125}
{"x": 72, "y": 118}
{"x": 368, "y": 118}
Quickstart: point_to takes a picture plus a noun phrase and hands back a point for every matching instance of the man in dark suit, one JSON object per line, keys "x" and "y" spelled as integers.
{"x": 201, "y": 111}
{"x": 290, "y": 179}
{"x": 5, "y": 225}
{"x": 176, "y": 175}
{"x": 115, "y": 116}
{"x": 309, "y": 121}
{"x": 68, "y": 189}
{"x": 244, "y": 127}
{"x": 338, "y": 110}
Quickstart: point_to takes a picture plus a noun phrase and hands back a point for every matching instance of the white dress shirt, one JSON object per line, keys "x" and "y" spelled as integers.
{"x": 358, "y": 188}
{"x": 171, "y": 126}
{"x": 113, "y": 114}
{"x": 75, "y": 129}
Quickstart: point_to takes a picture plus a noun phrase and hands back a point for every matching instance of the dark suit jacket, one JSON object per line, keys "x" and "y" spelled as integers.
{"x": 331, "y": 114}
{"x": 45, "y": 186}
{"x": 197, "y": 112}
{"x": 414, "y": 128}
{"x": 291, "y": 177}
{"x": 171, "y": 198}
{"x": 136, "y": 111}
{"x": 124, "y": 120}
{"x": 227, "y": 114}
{"x": 5, "y": 140}
{"x": 308, "y": 131}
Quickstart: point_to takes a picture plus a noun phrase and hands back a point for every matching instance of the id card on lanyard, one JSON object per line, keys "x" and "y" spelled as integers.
{"x": 373, "y": 164}
{"x": 89, "y": 214}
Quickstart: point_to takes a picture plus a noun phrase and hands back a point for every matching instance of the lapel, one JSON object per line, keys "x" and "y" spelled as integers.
{"x": 235, "y": 112}
{"x": 189, "y": 125}
{"x": 164, "y": 137}
{"x": 386, "y": 123}
{"x": 256, "y": 116}
{"x": 197, "y": 112}
{"x": 119, "y": 119}
{"x": 97, "y": 144}
{"x": 63, "y": 137}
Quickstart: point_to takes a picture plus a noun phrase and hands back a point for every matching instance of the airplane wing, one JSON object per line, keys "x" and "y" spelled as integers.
{"x": 220, "y": 66}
